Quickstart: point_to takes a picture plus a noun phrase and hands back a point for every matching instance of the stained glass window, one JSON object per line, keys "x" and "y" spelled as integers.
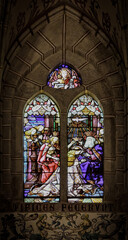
{"x": 85, "y": 150}
{"x": 64, "y": 77}
{"x": 41, "y": 150}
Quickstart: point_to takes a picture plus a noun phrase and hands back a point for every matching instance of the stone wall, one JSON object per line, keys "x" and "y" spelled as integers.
{"x": 66, "y": 35}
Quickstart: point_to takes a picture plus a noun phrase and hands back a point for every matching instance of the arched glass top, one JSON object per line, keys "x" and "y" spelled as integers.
{"x": 41, "y": 150}
{"x": 85, "y": 151}
{"x": 85, "y": 105}
{"x": 64, "y": 77}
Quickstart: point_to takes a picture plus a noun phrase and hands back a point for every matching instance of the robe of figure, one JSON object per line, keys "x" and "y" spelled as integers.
{"x": 48, "y": 164}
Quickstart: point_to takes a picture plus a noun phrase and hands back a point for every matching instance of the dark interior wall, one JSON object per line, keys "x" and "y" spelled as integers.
{"x": 38, "y": 35}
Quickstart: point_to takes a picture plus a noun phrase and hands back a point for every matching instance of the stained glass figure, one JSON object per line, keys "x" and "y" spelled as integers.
{"x": 41, "y": 150}
{"x": 64, "y": 77}
{"x": 85, "y": 150}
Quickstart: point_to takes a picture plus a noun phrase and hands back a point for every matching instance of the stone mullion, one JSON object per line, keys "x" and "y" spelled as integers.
{"x": 125, "y": 150}
{"x": 63, "y": 159}
{"x": 0, "y": 127}
{"x": 124, "y": 19}
{"x": 17, "y": 157}
{"x": 0, "y": 144}
{"x": 126, "y": 139}
{"x": 6, "y": 151}
{"x": 125, "y": 135}
{"x": 126, "y": 155}
{"x": 119, "y": 151}
{"x": 109, "y": 158}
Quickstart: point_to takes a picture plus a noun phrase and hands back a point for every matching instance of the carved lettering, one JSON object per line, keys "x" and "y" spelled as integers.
{"x": 37, "y": 207}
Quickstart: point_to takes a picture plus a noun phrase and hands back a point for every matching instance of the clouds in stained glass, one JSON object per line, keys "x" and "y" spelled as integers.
{"x": 64, "y": 77}
{"x": 41, "y": 150}
{"x": 85, "y": 150}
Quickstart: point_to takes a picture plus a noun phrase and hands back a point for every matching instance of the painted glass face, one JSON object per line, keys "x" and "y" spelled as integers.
{"x": 64, "y": 77}
{"x": 85, "y": 151}
{"x": 41, "y": 150}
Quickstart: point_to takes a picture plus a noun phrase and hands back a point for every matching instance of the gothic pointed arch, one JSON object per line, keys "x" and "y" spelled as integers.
{"x": 41, "y": 120}
{"x": 85, "y": 150}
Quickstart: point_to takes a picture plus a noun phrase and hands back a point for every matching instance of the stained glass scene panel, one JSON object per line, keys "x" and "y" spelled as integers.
{"x": 41, "y": 150}
{"x": 64, "y": 77}
{"x": 85, "y": 151}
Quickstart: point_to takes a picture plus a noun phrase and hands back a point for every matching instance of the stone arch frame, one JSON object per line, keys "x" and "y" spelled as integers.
{"x": 112, "y": 104}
